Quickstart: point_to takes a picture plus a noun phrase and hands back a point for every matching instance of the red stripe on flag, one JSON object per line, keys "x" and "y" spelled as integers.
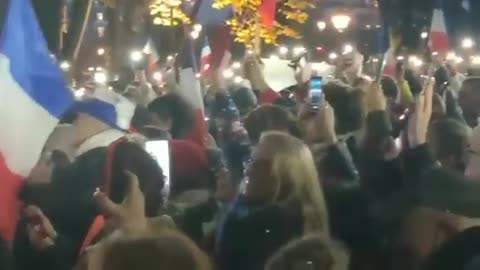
{"x": 10, "y": 184}
{"x": 200, "y": 131}
{"x": 267, "y": 12}
{"x": 439, "y": 42}
{"x": 220, "y": 42}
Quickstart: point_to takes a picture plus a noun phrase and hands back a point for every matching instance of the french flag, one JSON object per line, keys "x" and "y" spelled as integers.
{"x": 205, "y": 57}
{"x": 33, "y": 98}
{"x": 438, "y": 32}
{"x": 217, "y": 31}
{"x": 190, "y": 90}
{"x": 267, "y": 12}
{"x": 152, "y": 55}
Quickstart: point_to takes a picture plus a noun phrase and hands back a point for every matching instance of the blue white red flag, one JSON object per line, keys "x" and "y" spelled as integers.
{"x": 205, "y": 57}
{"x": 438, "y": 32}
{"x": 190, "y": 89}
{"x": 33, "y": 98}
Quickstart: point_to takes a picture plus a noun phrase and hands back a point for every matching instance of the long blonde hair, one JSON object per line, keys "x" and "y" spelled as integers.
{"x": 296, "y": 177}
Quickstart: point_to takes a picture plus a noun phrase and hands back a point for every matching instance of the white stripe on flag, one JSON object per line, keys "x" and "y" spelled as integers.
{"x": 190, "y": 88}
{"x": 28, "y": 124}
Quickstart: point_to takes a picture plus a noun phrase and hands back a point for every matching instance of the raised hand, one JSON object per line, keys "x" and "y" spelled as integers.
{"x": 375, "y": 98}
{"x": 420, "y": 119}
{"x": 39, "y": 229}
{"x": 129, "y": 216}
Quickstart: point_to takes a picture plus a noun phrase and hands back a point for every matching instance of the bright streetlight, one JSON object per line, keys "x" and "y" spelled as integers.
{"x": 157, "y": 75}
{"x": 101, "y": 51}
{"x": 321, "y": 25}
{"x": 100, "y": 77}
{"x": 348, "y": 48}
{"x": 65, "y": 65}
{"x": 467, "y": 43}
{"x": 298, "y": 50}
{"x": 136, "y": 56}
{"x": 332, "y": 56}
{"x": 341, "y": 21}
{"x": 283, "y": 50}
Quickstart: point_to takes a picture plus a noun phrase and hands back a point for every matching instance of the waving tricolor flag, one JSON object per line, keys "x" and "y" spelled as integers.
{"x": 152, "y": 55}
{"x": 205, "y": 57}
{"x": 190, "y": 89}
{"x": 438, "y": 31}
{"x": 267, "y": 12}
{"x": 33, "y": 97}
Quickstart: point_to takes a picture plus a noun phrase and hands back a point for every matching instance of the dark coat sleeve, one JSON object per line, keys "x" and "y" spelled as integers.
{"x": 132, "y": 157}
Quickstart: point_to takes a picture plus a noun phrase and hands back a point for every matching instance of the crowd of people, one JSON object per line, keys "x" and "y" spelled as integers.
{"x": 380, "y": 176}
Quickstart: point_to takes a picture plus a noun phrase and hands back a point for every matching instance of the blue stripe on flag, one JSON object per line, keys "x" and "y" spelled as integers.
{"x": 32, "y": 67}
{"x": 99, "y": 109}
{"x": 208, "y": 15}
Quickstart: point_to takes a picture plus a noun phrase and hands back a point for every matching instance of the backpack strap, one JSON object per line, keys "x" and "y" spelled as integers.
{"x": 99, "y": 221}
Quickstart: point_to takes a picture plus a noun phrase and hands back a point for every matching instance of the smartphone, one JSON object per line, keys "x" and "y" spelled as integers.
{"x": 160, "y": 152}
{"x": 316, "y": 91}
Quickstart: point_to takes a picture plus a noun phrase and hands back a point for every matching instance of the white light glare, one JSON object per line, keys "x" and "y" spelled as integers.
{"x": 79, "y": 92}
{"x": 197, "y": 27}
{"x": 157, "y": 75}
{"x": 101, "y": 51}
{"x": 400, "y": 58}
{"x": 475, "y": 60}
{"x": 65, "y": 65}
{"x": 238, "y": 80}
{"x": 136, "y": 56}
{"x": 169, "y": 58}
{"x": 283, "y": 50}
{"x": 321, "y": 25}
{"x": 332, "y": 56}
{"x": 228, "y": 74}
{"x": 451, "y": 56}
{"x": 100, "y": 77}
{"x": 194, "y": 34}
{"x": 236, "y": 65}
{"x": 467, "y": 43}
{"x": 347, "y": 49}
{"x": 298, "y": 50}
{"x": 424, "y": 35}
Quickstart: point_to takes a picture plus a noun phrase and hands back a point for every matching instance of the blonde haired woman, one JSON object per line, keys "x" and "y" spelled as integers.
{"x": 283, "y": 200}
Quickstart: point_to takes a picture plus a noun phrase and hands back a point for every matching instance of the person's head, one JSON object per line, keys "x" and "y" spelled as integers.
{"x": 311, "y": 252}
{"x": 282, "y": 172}
{"x": 390, "y": 88}
{"x": 270, "y": 117}
{"x": 173, "y": 113}
{"x": 441, "y": 79}
{"x": 244, "y": 99}
{"x": 165, "y": 251}
{"x": 448, "y": 140}
{"x": 101, "y": 111}
{"x": 469, "y": 96}
{"x": 348, "y": 105}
